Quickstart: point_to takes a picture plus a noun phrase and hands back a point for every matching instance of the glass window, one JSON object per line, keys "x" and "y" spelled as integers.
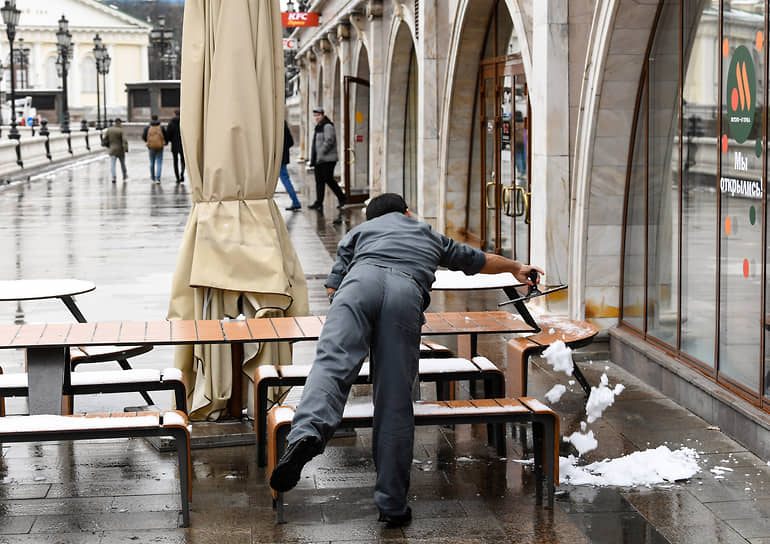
{"x": 740, "y": 234}
{"x": 663, "y": 179}
{"x": 633, "y": 261}
{"x": 700, "y": 43}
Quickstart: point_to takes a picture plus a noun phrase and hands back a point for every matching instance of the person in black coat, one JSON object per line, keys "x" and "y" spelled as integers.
{"x": 174, "y": 135}
{"x": 288, "y": 141}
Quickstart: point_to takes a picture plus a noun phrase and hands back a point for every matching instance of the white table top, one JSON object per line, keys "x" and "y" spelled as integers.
{"x": 42, "y": 289}
{"x": 447, "y": 280}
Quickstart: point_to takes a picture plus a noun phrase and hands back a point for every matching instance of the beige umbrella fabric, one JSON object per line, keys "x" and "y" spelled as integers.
{"x": 235, "y": 247}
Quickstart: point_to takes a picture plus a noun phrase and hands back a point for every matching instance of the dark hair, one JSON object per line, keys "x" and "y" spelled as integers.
{"x": 154, "y": 117}
{"x": 385, "y": 203}
{"x": 118, "y": 121}
{"x": 176, "y": 112}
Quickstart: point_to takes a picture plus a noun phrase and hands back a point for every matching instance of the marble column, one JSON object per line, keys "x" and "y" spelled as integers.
{"x": 428, "y": 103}
{"x": 550, "y": 141}
{"x": 376, "y": 40}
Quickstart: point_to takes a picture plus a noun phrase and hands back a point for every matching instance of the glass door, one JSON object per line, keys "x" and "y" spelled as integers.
{"x": 356, "y": 130}
{"x": 504, "y": 145}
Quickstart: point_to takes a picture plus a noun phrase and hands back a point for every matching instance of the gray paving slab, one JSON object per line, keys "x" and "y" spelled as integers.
{"x": 73, "y": 222}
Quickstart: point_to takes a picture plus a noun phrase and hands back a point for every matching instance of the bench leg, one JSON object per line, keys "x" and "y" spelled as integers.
{"x": 260, "y": 420}
{"x": 182, "y": 444}
{"x": 581, "y": 379}
{"x": 517, "y": 358}
{"x": 493, "y": 389}
{"x": 550, "y": 462}
{"x": 280, "y": 446}
{"x": 537, "y": 454}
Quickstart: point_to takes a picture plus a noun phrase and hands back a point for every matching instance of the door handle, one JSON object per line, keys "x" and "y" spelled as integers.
{"x": 350, "y": 150}
{"x": 486, "y": 194}
{"x": 508, "y": 201}
{"x": 521, "y": 203}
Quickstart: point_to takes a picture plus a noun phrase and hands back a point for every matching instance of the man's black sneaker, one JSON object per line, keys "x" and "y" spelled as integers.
{"x": 396, "y": 520}
{"x": 286, "y": 473}
{"x": 316, "y": 205}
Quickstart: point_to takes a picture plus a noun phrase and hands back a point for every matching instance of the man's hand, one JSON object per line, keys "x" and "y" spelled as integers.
{"x": 497, "y": 263}
{"x": 329, "y": 292}
{"x": 523, "y": 274}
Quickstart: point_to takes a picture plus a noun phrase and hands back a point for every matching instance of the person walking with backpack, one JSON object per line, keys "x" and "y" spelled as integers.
{"x": 115, "y": 139}
{"x": 155, "y": 137}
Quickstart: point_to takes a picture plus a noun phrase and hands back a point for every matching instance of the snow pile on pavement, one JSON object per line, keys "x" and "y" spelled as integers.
{"x": 583, "y": 441}
{"x": 559, "y": 356}
{"x": 555, "y": 393}
{"x": 641, "y": 468}
{"x": 601, "y": 398}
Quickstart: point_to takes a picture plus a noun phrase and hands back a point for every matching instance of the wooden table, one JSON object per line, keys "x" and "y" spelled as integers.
{"x": 48, "y": 344}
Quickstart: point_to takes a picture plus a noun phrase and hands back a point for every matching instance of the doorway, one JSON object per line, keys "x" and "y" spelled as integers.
{"x": 505, "y": 158}
{"x": 356, "y": 129}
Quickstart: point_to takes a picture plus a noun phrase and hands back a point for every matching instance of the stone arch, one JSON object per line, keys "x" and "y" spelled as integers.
{"x": 402, "y": 49}
{"x": 620, "y": 35}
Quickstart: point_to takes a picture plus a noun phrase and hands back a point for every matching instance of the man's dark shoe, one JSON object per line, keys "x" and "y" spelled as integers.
{"x": 294, "y": 208}
{"x": 343, "y": 201}
{"x": 286, "y": 473}
{"x": 316, "y": 205}
{"x": 399, "y": 520}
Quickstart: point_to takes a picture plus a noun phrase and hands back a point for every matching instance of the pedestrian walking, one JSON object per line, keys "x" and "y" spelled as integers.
{"x": 174, "y": 136}
{"x": 288, "y": 141}
{"x": 379, "y": 288}
{"x": 115, "y": 139}
{"x": 323, "y": 158}
{"x": 155, "y": 137}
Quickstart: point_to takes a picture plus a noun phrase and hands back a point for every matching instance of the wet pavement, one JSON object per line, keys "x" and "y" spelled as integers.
{"x": 74, "y": 223}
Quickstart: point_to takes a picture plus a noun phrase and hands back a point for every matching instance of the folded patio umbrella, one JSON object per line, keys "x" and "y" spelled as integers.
{"x": 236, "y": 256}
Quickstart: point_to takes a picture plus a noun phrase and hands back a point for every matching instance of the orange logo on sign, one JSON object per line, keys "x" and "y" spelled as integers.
{"x": 299, "y": 18}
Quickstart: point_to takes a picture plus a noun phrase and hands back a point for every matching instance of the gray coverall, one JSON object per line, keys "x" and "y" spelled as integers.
{"x": 383, "y": 273}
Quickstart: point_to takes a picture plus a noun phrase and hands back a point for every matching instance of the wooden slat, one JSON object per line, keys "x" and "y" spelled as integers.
{"x": 55, "y": 333}
{"x": 286, "y": 328}
{"x": 459, "y": 404}
{"x": 7, "y": 333}
{"x": 132, "y": 331}
{"x": 487, "y": 322}
{"x": 158, "y": 331}
{"x": 29, "y": 334}
{"x": 514, "y": 403}
{"x": 210, "y": 330}
{"x": 435, "y": 324}
{"x": 511, "y": 321}
{"x": 486, "y": 403}
{"x": 106, "y": 332}
{"x": 236, "y": 330}
{"x": 81, "y": 333}
{"x": 462, "y": 321}
{"x": 261, "y": 329}
{"x": 311, "y": 326}
{"x": 183, "y": 330}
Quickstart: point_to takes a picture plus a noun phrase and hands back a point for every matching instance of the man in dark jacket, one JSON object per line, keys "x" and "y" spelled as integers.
{"x": 323, "y": 158}
{"x": 288, "y": 141}
{"x": 155, "y": 137}
{"x": 379, "y": 288}
{"x": 174, "y": 136}
{"x": 115, "y": 139}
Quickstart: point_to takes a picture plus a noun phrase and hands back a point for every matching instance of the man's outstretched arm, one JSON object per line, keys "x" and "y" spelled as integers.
{"x": 497, "y": 264}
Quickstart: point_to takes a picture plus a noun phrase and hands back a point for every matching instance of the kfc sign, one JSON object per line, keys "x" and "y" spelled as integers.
{"x": 299, "y": 18}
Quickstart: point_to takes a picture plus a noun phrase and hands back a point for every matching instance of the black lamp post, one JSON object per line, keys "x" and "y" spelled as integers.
{"x": 11, "y": 18}
{"x": 106, "y": 60}
{"x": 160, "y": 37}
{"x": 22, "y": 59}
{"x": 98, "y": 56}
{"x": 64, "y": 41}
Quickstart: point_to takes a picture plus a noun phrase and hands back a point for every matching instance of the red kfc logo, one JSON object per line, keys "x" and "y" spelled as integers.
{"x": 299, "y": 18}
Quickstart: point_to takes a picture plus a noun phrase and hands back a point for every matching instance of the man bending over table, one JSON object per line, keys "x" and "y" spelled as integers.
{"x": 379, "y": 288}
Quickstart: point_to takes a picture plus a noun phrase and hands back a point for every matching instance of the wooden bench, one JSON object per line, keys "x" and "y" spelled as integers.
{"x": 529, "y": 411}
{"x": 575, "y": 334}
{"x": 111, "y": 381}
{"x": 43, "y": 428}
{"x": 442, "y": 372}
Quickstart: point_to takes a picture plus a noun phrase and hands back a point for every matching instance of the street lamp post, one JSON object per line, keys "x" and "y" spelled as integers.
{"x": 160, "y": 37}
{"x": 98, "y": 55}
{"x": 22, "y": 59}
{"x": 64, "y": 41}
{"x": 106, "y": 60}
{"x": 11, "y": 18}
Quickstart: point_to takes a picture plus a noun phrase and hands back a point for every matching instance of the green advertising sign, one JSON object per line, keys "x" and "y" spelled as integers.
{"x": 741, "y": 94}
